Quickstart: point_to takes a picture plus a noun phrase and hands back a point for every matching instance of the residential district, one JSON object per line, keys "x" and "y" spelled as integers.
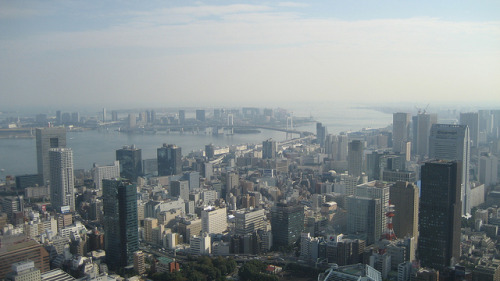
{"x": 418, "y": 200}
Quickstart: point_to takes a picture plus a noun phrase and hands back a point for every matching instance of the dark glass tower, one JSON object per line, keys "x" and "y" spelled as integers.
{"x": 169, "y": 160}
{"x": 287, "y": 223}
{"x": 120, "y": 222}
{"x": 130, "y": 159}
{"x": 440, "y": 214}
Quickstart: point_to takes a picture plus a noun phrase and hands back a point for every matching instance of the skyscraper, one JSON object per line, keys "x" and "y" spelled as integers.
{"x": 120, "y": 222}
{"x": 130, "y": 158}
{"x": 169, "y": 160}
{"x": 376, "y": 190}
{"x": 62, "y": 182}
{"x": 200, "y": 115}
{"x": 287, "y": 223}
{"x": 47, "y": 138}
{"x": 400, "y": 131}
{"x": 404, "y": 197}
{"x": 439, "y": 214}
{"x": 182, "y": 116}
{"x": 269, "y": 149}
{"x": 363, "y": 216}
{"x": 321, "y": 134}
{"x": 180, "y": 189}
{"x": 451, "y": 142}
{"x": 422, "y": 126}
{"x": 471, "y": 120}
{"x": 355, "y": 158}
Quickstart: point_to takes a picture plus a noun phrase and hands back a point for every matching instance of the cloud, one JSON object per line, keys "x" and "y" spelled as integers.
{"x": 292, "y": 4}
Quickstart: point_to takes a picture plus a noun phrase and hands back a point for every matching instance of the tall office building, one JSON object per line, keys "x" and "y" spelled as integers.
{"x": 130, "y": 158}
{"x": 451, "y": 142}
{"x": 132, "y": 120}
{"x": 488, "y": 169}
{"x": 321, "y": 134}
{"x": 404, "y": 197}
{"x": 169, "y": 160}
{"x": 105, "y": 172}
{"x": 439, "y": 214}
{"x": 200, "y": 115}
{"x": 182, "y": 116}
{"x": 62, "y": 181}
{"x": 214, "y": 220}
{"x": 269, "y": 149}
{"x": 355, "y": 158}
{"x": 47, "y": 138}
{"x": 287, "y": 223}
{"x": 120, "y": 222}
{"x": 247, "y": 222}
{"x": 180, "y": 189}
{"x": 471, "y": 120}
{"x": 104, "y": 114}
{"x": 376, "y": 190}
{"x": 421, "y": 130}
{"x": 400, "y": 131}
{"x": 363, "y": 216}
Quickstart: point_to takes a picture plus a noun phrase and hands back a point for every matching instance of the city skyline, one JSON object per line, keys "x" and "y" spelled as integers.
{"x": 248, "y": 52}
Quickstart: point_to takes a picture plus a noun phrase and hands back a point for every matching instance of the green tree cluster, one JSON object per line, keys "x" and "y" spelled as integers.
{"x": 200, "y": 269}
{"x": 255, "y": 270}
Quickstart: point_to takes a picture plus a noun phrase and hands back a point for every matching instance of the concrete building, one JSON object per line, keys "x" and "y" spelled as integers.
{"x": 269, "y": 149}
{"x": 24, "y": 271}
{"x": 422, "y": 124}
{"x": 488, "y": 169}
{"x": 179, "y": 189}
{"x": 405, "y": 198}
{"x": 351, "y": 273}
{"x": 214, "y": 220}
{"x": 363, "y": 217}
{"x": 105, "y": 172}
{"x": 139, "y": 262}
{"x": 376, "y": 190}
{"x": 200, "y": 244}
{"x": 62, "y": 182}
{"x": 400, "y": 131}
{"x": 451, "y": 142}
{"x": 15, "y": 249}
{"x": 247, "y": 222}
{"x": 47, "y": 138}
{"x": 355, "y": 158}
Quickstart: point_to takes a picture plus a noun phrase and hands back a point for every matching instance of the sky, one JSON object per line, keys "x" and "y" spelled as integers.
{"x": 121, "y": 53}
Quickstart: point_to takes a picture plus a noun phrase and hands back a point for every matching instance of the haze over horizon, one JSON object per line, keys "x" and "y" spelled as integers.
{"x": 189, "y": 53}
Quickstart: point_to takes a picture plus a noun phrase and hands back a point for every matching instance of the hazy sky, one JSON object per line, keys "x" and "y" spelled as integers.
{"x": 178, "y": 53}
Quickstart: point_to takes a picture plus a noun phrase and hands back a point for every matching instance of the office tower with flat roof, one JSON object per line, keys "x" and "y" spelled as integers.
{"x": 440, "y": 214}
{"x": 376, "y": 190}
{"x": 62, "y": 181}
{"x": 19, "y": 248}
{"x": 182, "y": 116}
{"x": 422, "y": 124}
{"x": 214, "y": 220}
{"x": 400, "y": 131}
{"x": 169, "y": 160}
{"x": 355, "y": 158}
{"x": 47, "y": 138}
{"x": 269, "y": 149}
{"x": 451, "y": 142}
{"x": 247, "y": 222}
{"x": 132, "y": 121}
{"x": 321, "y": 134}
{"x": 130, "y": 158}
{"x": 363, "y": 217}
{"x": 471, "y": 120}
{"x": 180, "y": 189}
{"x": 404, "y": 197}
{"x": 488, "y": 169}
{"x": 105, "y": 172}
{"x": 120, "y": 222}
{"x": 200, "y": 115}
{"x": 287, "y": 223}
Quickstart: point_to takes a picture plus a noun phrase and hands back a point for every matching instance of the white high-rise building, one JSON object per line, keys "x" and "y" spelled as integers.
{"x": 105, "y": 172}
{"x": 248, "y": 222}
{"x": 200, "y": 245}
{"x": 400, "y": 131}
{"x": 62, "y": 187}
{"x": 452, "y": 142}
{"x": 376, "y": 190}
{"x": 214, "y": 220}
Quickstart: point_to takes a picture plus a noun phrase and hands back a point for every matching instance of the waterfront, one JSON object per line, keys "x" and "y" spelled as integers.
{"x": 18, "y": 156}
